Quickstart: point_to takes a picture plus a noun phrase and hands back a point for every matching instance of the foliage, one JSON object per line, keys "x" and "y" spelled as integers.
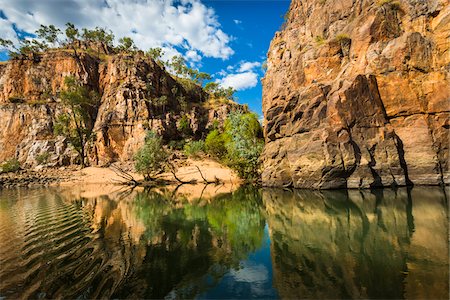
{"x": 244, "y": 144}
{"x": 71, "y": 32}
{"x": 161, "y": 102}
{"x": 10, "y": 165}
{"x": 49, "y": 34}
{"x": 176, "y": 145}
{"x": 98, "y": 35}
{"x": 126, "y": 44}
{"x": 42, "y": 159}
{"x": 194, "y": 148}
{"x": 151, "y": 158}
{"x": 180, "y": 68}
{"x": 76, "y": 125}
{"x": 217, "y": 92}
{"x": 215, "y": 144}
{"x": 319, "y": 40}
{"x": 342, "y": 38}
{"x": 184, "y": 126}
{"x": 264, "y": 66}
{"x": 156, "y": 54}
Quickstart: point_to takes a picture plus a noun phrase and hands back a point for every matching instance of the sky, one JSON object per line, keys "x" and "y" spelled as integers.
{"x": 228, "y": 39}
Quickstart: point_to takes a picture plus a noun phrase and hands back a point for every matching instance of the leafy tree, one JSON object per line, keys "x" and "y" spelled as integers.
{"x": 126, "y": 44}
{"x": 98, "y": 35}
{"x": 151, "y": 158}
{"x": 72, "y": 33}
{"x": 156, "y": 54}
{"x": 161, "y": 102}
{"x": 76, "y": 125}
{"x": 178, "y": 65}
{"x": 49, "y": 34}
{"x": 244, "y": 144}
{"x": 214, "y": 89}
{"x": 8, "y": 45}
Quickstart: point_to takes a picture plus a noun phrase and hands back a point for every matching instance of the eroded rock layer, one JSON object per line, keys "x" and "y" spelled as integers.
{"x": 357, "y": 95}
{"x": 136, "y": 95}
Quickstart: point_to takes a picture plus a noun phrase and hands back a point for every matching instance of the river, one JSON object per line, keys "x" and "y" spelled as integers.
{"x": 251, "y": 243}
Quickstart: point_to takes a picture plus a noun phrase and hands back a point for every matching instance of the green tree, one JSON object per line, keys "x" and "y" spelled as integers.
{"x": 126, "y": 44}
{"x": 72, "y": 33}
{"x": 151, "y": 158}
{"x": 178, "y": 65}
{"x": 156, "y": 54}
{"x": 216, "y": 91}
{"x": 76, "y": 125}
{"x": 244, "y": 143}
{"x": 49, "y": 34}
{"x": 8, "y": 45}
{"x": 98, "y": 35}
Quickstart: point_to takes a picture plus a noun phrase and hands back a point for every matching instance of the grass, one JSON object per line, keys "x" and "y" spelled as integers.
{"x": 319, "y": 40}
{"x": 342, "y": 37}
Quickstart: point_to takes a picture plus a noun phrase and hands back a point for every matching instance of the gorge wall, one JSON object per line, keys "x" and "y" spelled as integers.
{"x": 130, "y": 86}
{"x": 356, "y": 95}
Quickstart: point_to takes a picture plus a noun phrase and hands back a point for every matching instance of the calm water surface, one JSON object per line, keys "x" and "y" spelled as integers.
{"x": 268, "y": 243}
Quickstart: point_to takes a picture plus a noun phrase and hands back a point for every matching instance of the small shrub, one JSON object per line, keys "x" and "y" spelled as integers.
{"x": 184, "y": 126}
{"x": 319, "y": 40}
{"x": 151, "y": 158}
{"x": 11, "y": 165}
{"x": 342, "y": 38}
{"x": 42, "y": 159}
{"x": 215, "y": 144}
{"x": 176, "y": 145}
{"x": 194, "y": 148}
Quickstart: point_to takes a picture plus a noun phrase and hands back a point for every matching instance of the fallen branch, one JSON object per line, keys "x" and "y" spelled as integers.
{"x": 124, "y": 175}
{"x": 216, "y": 180}
{"x": 172, "y": 170}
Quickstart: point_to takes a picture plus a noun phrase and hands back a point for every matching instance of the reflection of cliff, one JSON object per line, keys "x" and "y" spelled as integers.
{"x": 353, "y": 244}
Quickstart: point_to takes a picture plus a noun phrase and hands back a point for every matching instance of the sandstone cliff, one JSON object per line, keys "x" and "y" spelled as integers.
{"x": 130, "y": 86}
{"x": 356, "y": 94}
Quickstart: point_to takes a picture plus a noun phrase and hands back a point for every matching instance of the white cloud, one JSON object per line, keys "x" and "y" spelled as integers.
{"x": 240, "y": 81}
{"x": 188, "y": 24}
{"x": 193, "y": 56}
{"x": 241, "y": 76}
{"x": 237, "y": 22}
{"x": 247, "y": 66}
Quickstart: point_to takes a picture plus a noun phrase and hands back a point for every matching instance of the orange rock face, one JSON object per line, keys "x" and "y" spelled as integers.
{"x": 136, "y": 95}
{"x": 357, "y": 95}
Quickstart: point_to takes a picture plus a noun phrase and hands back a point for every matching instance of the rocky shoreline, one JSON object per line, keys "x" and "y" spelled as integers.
{"x": 34, "y": 178}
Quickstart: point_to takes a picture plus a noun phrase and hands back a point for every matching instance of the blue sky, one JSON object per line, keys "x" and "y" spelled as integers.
{"x": 228, "y": 39}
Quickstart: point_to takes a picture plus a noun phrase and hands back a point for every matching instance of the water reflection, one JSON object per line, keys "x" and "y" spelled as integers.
{"x": 359, "y": 244}
{"x": 59, "y": 243}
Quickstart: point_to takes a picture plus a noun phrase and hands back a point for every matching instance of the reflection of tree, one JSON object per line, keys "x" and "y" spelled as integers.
{"x": 342, "y": 244}
{"x": 187, "y": 242}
